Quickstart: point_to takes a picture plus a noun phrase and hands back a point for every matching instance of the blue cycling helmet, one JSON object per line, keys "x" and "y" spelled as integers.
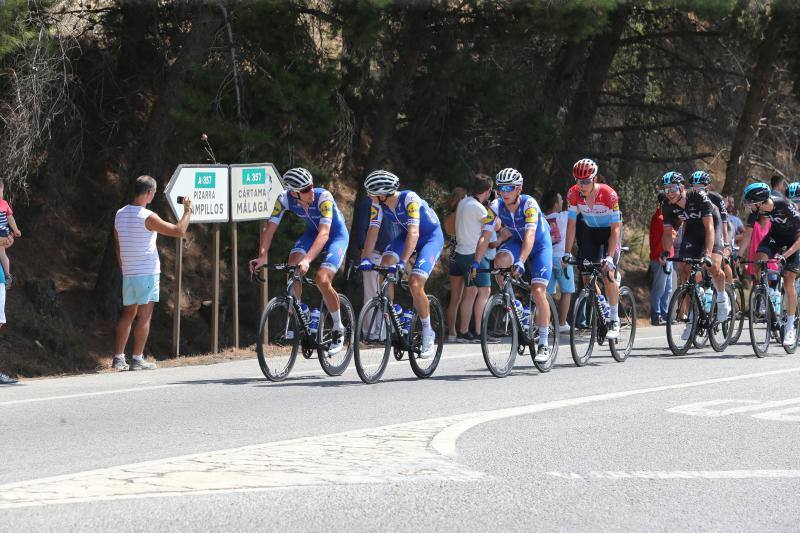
{"x": 700, "y": 177}
{"x": 793, "y": 191}
{"x": 756, "y": 192}
{"x": 672, "y": 178}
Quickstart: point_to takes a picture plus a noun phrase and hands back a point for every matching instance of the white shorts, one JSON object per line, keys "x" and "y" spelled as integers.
{"x": 2, "y": 303}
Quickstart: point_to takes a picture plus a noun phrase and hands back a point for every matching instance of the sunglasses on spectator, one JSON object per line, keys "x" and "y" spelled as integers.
{"x": 507, "y": 188}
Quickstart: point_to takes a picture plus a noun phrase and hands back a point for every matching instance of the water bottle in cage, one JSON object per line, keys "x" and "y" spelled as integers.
{"x": 314, "y": 326}
{"x": 605, "y": 308}
{"x": 405, "y": 324}
{"x": 708, "y": 299}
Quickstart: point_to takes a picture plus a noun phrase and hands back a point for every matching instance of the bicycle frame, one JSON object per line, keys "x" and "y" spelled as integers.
{"x": 392, "y": 276}
{"x": 292, "y": 279}
{"x": 593, "y": 270}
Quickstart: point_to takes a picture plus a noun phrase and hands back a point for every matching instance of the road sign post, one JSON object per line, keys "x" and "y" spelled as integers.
{"x": 254, "y": 189}
{"x": 208, "y": 186}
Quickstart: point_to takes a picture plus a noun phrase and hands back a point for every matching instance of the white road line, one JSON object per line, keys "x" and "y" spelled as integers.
{"x": 680, "y": 474}
{"x": 445, "y": 442}
{"x": 392, "y": 453}
{"x": 350, "y": 369}
{"x": 88, "y": 394}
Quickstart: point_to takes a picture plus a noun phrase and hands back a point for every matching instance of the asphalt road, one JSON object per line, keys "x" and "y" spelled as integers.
{"x": 706, "y": 441}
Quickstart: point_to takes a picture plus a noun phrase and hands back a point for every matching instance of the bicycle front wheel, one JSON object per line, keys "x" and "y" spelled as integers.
{"x": 499, "y": 336}
{"x": 721, "y": 333}
{"x": 278, "y": 341}
{"x": 583, "y": 330}
{"x": 760, "y": 320}
{"x": 373, "y": 341}
{"x": 682, "y": 320}
{"x": 336, "y": 364}
{"x": 738, "y": 293}
{"x": 552, "y": 336}
{"x": 621, "y": 346}
{"x": 425, "y": 367}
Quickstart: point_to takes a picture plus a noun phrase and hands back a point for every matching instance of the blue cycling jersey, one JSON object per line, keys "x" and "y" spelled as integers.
{"x": 411, "y": 210}
{"x": 323, "y": 210}
{"x": 526, "y": 216}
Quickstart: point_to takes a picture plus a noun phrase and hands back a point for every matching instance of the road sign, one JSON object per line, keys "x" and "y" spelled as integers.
{"x": 254, "y": 190}
{"x": 207, "y": 186}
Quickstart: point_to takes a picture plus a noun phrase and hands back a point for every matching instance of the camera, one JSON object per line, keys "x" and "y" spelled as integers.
{"x": 180, "y": 199}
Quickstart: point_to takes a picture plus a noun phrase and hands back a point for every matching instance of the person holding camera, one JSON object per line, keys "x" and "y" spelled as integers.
{"x": 135, "y": 230}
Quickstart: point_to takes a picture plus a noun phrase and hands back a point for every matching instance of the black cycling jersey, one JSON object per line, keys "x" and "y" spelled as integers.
{"x": 698, "y": 206}
{"x": 719, "y": 202}
{"x": 784, "y": 216}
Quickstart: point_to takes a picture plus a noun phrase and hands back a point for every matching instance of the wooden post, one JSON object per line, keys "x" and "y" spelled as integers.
{"x": 176, "y": 319}
{"x": 263, "y": 291}
{"x": 235, "y": 285}
{"x": 215, "y": 294}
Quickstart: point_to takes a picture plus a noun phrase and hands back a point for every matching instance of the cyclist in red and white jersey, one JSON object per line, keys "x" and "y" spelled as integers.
{"x": 599, "y": 239}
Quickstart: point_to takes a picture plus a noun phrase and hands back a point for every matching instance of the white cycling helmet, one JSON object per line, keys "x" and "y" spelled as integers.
{"x": 297, "y": 179}
{"x": 508, "y": 176}
{"x": 381, "y": 183}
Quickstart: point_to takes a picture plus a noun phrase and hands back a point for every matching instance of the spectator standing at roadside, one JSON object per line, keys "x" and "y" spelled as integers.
{"x": 456, "y": 279}
{"x": 563, "y": 277}
{"x": 9, "y": 230}
{"x": 135, "y": 230}
{"x": 660, "y": 275}
{"x": 777, "y": 185}
{"x": 4, "y": 378}
{"x": 735, "y": 224}
{"x": 470, "y": 213}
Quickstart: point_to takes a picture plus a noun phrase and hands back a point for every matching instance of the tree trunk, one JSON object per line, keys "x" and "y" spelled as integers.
{"x": 150, "y": 157}
{"x": 760, "y": 79}
{"x": 558, "y": 85}
{"x": 397, "y": 90}
{"x": 584, "y": 103}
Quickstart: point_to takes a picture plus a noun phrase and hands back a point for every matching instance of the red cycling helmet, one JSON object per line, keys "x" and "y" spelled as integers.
{"x": 584, "y": 170}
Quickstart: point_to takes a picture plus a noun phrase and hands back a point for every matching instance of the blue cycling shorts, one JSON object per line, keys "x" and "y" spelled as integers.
{"x": 540, "y": 262}
{"x": 333, "y": 254}
{"x": 429, "y": 248}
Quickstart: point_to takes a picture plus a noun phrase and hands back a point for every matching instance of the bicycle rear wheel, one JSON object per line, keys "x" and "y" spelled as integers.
{"x": 373, "y": 341}
{"x": 500, "y": 327}
{"x": 335, "y": 365}
{"x": 760, "y": 320}
{"x": 682, "y": 320}
{"x": 424, "y": 368}
{"x": 552, "y": 336}
{"x": 278, "y": 341}
{"x": 738, "y": 292}
{"x": 721, "y": 332}
{"x": 583, "y": 329}
{"x": 621, "y": 346}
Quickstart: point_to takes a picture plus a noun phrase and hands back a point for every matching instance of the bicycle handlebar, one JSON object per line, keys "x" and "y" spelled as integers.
{"x": 291, "y": 269}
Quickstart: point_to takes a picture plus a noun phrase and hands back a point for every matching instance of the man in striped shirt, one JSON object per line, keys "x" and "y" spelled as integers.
{"x": 136, "y": 229}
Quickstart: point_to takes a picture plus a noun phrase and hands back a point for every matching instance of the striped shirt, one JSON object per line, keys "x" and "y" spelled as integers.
{"x": 5, "y": 212}
{"x": 137, "y": 244}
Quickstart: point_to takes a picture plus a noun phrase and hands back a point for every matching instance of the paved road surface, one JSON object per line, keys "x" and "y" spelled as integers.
{"x": 707, "y": 441}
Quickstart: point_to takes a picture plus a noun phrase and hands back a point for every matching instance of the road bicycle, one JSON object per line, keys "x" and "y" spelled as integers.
{"x": 380, "y": 331}
{"x": 503, "y": 332}
{"x": 738, "y": 293}
{"x": 767, "y": 322}
{"x": 589, "y": 317}
{"x": 285, "y": 328}
{"x": 691, "y": 317}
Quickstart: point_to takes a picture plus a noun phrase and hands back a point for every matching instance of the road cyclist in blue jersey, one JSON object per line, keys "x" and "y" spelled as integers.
{"x": 529, "y": 245}
{"x": 325, "y": 235}
{"x": 419, "y": 231}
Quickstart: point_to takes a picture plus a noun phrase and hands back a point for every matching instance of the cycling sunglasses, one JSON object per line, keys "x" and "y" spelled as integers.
{"x": 584, "y": 182}
{"x": 302, "y": 191}
{"x": 670, "y": 189}
{"x": 507, "y": 188}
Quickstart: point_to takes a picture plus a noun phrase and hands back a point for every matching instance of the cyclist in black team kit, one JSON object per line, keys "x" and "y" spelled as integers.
{"x": 701, "y": 181}
{"x": 702, "y": 233}
{"x": 783, "y": 233}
